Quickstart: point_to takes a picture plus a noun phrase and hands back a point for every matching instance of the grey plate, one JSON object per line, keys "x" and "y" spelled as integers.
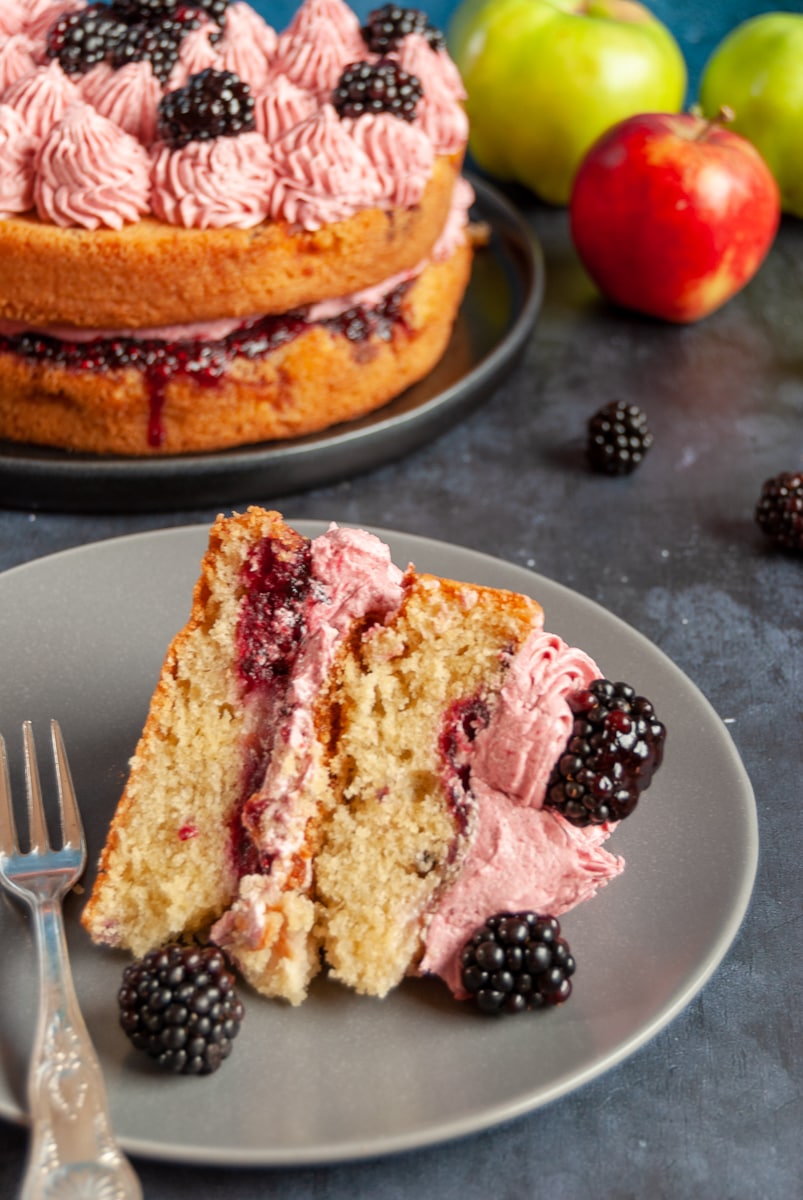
{"x": 497, "y": 315}
{"x": 82, "y": 636}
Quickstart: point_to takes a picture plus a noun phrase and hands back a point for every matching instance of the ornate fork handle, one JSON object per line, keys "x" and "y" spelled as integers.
{"x": 72, "y": 1153}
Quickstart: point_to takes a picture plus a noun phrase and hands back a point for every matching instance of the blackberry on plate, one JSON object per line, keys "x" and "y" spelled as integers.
{"x": 385, "y": 27}
{"x": 618, "y": 438}
{"x": 517, "y": 961}
{"x": 616, "y": 745}
{"x": 377, "y": 87}
{"x": 80, "y": 40}
{"x": 211, "y": 104}
{"x": 178, "y": 1004}
{"x": 779, "y": 511}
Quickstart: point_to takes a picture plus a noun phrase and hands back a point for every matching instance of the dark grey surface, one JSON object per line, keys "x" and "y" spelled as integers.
{"x": 711, "y": 1106}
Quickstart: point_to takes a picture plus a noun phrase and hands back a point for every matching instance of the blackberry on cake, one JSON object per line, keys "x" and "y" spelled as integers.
{"x": 211, "y": 104}
{"x": 345, "y": 763}
{"x": 385, "y": 27}
{"x": 616, "y": 744}
{"x": 80, "y": 39}
{"x": 365, "y": 88}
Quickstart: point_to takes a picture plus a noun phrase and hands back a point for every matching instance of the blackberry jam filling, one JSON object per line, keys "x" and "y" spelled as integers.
{"x": 205, "y": 362}
{"x": 461, "y": 724}
{"x": 276, "y": 583}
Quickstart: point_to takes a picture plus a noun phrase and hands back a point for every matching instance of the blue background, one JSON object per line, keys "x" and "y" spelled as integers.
{"x": 697, "y": 25}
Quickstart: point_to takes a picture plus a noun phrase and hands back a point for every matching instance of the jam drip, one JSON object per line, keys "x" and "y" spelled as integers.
{"x": 276, "y": 583}
{"x": 204, "y": 361}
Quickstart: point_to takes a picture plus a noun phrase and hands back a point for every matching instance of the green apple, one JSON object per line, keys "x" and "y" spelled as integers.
{"x": 546, "y": 78}
{"x": 757, "y": 72}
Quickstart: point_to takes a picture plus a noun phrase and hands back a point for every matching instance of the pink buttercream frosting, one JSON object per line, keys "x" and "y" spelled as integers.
{"x": 521, "y": 855}
{"x": 454, "y": 229}
{"x": 90, "y": 173}
{"x": 127, "y": 95}
{"x": 12, "y": 18}
{"x": 222, "y": 183}
{"x": 322, "y": 39}
{"x": 16, "y": 59}
{"x": 280, "y": 106}
{"x": 440, "y": 112}
{"x": 41, "y": 98}
{"x": 520, "y": 859}
{"x": 352, "y": 575}
{"x": 17, "y": 149}
{"x": 248, "y": 46}
{"x": 40, "y": 14}
{"x": 196, "y": 53}
{"x": 322, "y": 174}
{"x": 402, "y": 155}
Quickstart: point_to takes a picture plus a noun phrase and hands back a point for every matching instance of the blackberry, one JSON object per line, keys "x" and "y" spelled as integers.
{"x": 145, "y": 11}
{"x": 517, "y": 961}
{"x": 374, "y": 88}
{"x": 618, "y": 438}
{"x": 779, "y": 511}
{"x": 385, "y": 27}
{"x": 178, "y": 1004}
{"x": 616, "y": 744}
{"x": 80, "y": 40}
{"x": 211, "y": 104}
{"x": 157, "y": 42}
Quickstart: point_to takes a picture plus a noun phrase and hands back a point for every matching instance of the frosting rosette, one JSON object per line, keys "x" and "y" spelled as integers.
{"x": 440, "y": 112}
{"x": 89, "y": 172}
{"x": 280, "y": 106}
{"x": 127, "y": 95}
{"x": 41, "y": 98}
{"x": 197, "y": 52}
{"x": 216, "y": 184}
{"x": 16, "y": 59}
{"x": 401, "y": 153}
{"x": 248, "y": 45}
{"x": 12, "y": 17}
{"x": 322, "y": 39}
{"x": 17, "y": 149}
{"x": 322, "y": 175}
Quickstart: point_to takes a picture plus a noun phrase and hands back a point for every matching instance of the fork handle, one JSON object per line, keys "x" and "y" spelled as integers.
{"x": 72, "y": 1151}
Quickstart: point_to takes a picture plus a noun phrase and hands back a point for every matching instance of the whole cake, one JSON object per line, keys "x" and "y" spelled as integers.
{"x": 212, "y": 233}
{"x": 351, "y": 765}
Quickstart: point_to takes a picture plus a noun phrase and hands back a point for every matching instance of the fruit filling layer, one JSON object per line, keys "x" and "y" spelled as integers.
{"x": 204, "y": 360}
{"x": 299, "y": 603}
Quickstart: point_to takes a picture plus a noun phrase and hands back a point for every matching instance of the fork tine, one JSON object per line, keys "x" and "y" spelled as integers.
{"x": 36, "y": 813}
{"x": 8, "y": 830}
{"x": 72, "y": 830}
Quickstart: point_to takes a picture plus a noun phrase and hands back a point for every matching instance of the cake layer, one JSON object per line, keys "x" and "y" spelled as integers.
{"x": 151, "y": 273}
{"x": 314, "y": 377}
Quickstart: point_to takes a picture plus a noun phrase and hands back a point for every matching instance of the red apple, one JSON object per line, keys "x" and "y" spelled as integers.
{"x": 672, "y": 214}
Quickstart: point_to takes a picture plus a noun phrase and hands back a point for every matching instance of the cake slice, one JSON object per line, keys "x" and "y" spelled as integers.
{"x": 346, "y": 765}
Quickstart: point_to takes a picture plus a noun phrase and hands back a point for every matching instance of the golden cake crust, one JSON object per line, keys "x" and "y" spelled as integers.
{"x": 312, "y": 382}
{"x": 150, "y": 273}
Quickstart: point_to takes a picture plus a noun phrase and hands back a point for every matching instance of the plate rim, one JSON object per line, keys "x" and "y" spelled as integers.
{"x": 357, "y": 1149}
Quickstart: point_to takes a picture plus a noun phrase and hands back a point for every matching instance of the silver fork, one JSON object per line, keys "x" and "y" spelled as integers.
{"x": 72, "y": 1150}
